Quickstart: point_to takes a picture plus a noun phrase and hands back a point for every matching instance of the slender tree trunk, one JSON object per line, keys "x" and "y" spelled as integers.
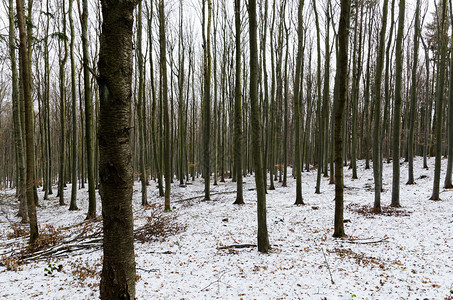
{"x": 413, "y": 103}
{"x": 73, "y": 205}
{"x": 181, "y": 137}
{"x": 207, "y": 100}
{"x": 238, "y": 106}
{"x": 61, "y": 176}
{"x": 48, "y": 153}
{"x": 88, "y": 115}
{"x": 385, "y": 136}
{"x": 286, "y": 113}
{"x": 29, "y": 118}
{"x": 141, "y": 107}
{"x": 448, "y": 176}
{"x": 367, "y": 93}
{"x": 397, "y": 107}
{"x": 154, "y": 113}
{"x": 297, "y": 97}
{"x": 326, "y": 95}
{"x": 355, "y": 92}
{"x": 377, "y": 154}
{"x": 320, "y": 129}
{"x": 426, "y": 104}
{"x": 164, "y": 97}
{"x": 340, "y": 101}
{"x": 439, "y": 101}
{"x": 18, "y": 137}
{"x": 116, "y": 173}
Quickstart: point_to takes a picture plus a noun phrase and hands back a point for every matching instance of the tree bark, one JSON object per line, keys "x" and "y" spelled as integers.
{"x": 297, "y": 91}
{"x": 73, "y": 204}
{"x": 164, "y": 100}
{"x": 377, "y": 154}
{"x": 340, "y": 101}
{"x": 141, "y": 108}
{"x": 397, "y": 107}
{"x": 238, "y": 106}
{"x": 438, "y": 114}
{"x": 410, "y": 146}
{"x": 88, "y": 115}
{"x": 18, "y": 136}
{"x": 29, "y": 118}
{"x": 263, "y": 239}
{"x": 63, "y": 39}
{"x": 448, "y": 184}
{"x": 319, "y": 127}
{"x": 116, "y": 173}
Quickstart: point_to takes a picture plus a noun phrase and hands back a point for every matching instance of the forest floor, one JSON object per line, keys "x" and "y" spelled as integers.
{"x": 404, "y": 253}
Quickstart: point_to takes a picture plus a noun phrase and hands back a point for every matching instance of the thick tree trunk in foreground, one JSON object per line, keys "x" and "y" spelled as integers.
{"x": 115, "y": 168}
{"x": 263, "y": 239}
{"x": 340, "y": 101}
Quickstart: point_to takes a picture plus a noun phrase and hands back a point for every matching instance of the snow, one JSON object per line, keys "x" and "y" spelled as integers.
{"x": 406, "y": 256}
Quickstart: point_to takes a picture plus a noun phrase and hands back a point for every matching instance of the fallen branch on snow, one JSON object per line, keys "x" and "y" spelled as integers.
{"x": 202, "y": 196}
{"x": 366, "y": 241}
{"x": 237, "y": 246}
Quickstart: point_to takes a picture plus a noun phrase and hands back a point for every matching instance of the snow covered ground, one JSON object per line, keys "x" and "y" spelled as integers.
{"x": 406, "y": 254}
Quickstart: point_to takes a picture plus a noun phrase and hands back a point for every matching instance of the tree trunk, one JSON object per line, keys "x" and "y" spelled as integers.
{"x": 88, "y": 115}
{"x": 286, "y": 113}
{"x": 154, "y": 113}
{"x": 438, "y": 114}
{"x": 263, "y": 239}
{"x": 397, "y": 108}
{"x": 342, "y": 89}
{"x": 73, "y": 205}
{"x": 413, "y": 104}
{"x": 377, "y": 154}
{"x": 297, "y": 91}
{"x": 207, "y": 100}
{"x": 164, "y": 101}
{"x": 238, "y": 106}
{"x": 115, "y": 168}
{"x": 448, "y": 176}
{"x": 18, "y": 136}
{"x": 319, "y": 127}
{"x": 141, "y": 108}
{"x": 29, "y": 118}
{"x": 61, "y": 176}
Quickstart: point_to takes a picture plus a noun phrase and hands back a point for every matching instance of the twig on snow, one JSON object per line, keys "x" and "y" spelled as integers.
{"x": 217, "y": 281}
{"x": 328, "y": 267}
{"x": 149, "y": 271}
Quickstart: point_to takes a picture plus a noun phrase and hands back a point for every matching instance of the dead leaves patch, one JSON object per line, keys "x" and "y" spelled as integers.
{"x": 369, "y": 212}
